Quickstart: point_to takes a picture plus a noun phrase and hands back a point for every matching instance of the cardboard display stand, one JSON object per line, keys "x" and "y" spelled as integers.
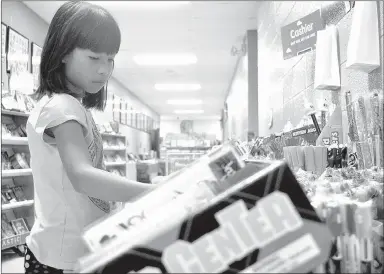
{"x": 199, "y": 181}
{"x": 263, "y": 223}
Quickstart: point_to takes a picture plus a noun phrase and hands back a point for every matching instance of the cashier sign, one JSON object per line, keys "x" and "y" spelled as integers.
{"x": 300, "y": 36}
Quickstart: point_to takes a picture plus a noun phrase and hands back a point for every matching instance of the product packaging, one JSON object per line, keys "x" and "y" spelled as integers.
{"x": 6, "y": 226}
{"x": 353, "y": 132}
{"x": 321, "y": 162}
{"x": 19, "y": 193}
{"x": 19, "y": 226}
{"x": 363, "y": 52}
{"x": 9, "y": 195}
{"x": 19, "y": 161}
{"x": 309, "y": 158}
{"x": 332, "y": 133}
{"x": 264, "y": 223}
{"x": 327, "y": 72}
{"x": 212, "y": 168}
{"x": 5, "y": 162}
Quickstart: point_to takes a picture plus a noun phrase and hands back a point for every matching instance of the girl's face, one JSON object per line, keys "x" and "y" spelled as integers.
{"x": 87, "y": 70}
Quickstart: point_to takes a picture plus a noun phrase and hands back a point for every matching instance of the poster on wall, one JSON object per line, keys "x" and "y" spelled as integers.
{"x": 123, "y": 116}
{"x": 3, "y": 41}
{"x": 300, "y": 36}
{"x": 139, "y": 121}
{"x": 136, "y": 123}
{"x": 35, "y": 68}
{"x": 131, "y": 117}
{"x": 18, "y": 52}
{"x": 116, "y": 109}
{"x": 146, "y": 123}
{"x": 109, "y": 106}
{"x": 128, "y": 115}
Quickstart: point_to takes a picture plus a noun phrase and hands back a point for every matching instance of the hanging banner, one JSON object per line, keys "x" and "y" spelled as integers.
{"x": 300, "y": 36}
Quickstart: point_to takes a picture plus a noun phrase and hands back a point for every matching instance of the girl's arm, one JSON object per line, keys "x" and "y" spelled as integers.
{"x": 83, "y": 176}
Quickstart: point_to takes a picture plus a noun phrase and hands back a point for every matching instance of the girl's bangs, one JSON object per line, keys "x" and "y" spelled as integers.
{"x": 102, "y": 37}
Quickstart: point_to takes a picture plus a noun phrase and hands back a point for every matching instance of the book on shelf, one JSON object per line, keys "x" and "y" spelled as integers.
{"x": 11, "y": 195}
{"x": 19, "y": 226}
{"x": 6, "y": 227}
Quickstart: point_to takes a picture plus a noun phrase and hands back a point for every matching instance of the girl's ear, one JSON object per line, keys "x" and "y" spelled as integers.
{"x": 67, "y": 57}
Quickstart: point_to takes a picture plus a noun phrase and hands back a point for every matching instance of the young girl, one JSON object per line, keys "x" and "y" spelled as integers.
{"x": 71, "y": 187}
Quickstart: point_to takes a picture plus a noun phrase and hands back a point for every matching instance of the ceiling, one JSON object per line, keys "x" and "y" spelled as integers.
{"x": 207, "y": 29}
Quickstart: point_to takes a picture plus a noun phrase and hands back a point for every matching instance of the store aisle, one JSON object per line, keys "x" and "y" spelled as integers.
{"x": 12, "y": 263}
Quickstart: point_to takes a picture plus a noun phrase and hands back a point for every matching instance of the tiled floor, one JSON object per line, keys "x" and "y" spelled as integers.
{"x": 12, "y": 263}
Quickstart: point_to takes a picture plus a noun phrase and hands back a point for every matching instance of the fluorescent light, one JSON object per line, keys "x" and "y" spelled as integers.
{"x": 177, "y": 87}
{"x": 187, "y": 102}
{"x": 139, "y": 4}
{"x": 189, "y": 111}
{"x": 182, "y": 59}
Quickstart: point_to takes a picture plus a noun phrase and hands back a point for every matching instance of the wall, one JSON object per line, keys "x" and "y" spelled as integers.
{"x": 22, "y": 19}
{"x": 210, "y": 127}
{"x": 138, "y": 141}
{"x": 284, "y": 84}
{"x": 18, "y": 16}
{"x": 236, "y": 126}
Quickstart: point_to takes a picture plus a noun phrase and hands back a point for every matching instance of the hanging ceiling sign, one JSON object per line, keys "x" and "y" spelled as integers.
{"x": 300, "y": 36}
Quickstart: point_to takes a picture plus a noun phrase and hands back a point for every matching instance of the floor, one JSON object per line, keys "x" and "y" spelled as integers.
{"x": 11, "y": 263}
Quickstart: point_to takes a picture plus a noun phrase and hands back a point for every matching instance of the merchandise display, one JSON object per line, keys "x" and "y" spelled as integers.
{"x": 114, "y": 148}
{"x": 179, "y": 183}
{"x": 146, "y": 170}
{"x": 12, "y": 130}
{"x": 16, "y": 101}
{"x": 6, "y": 227}
{"x": 340, "y": 180}
{"x": 13, "y": 232}
{"x": 223, "y": 225}
{"x": 12, "y": 195}
{"x": 11, "y": 160}
{"x": 277, "y": 169}
{"x": 17, "y": 182}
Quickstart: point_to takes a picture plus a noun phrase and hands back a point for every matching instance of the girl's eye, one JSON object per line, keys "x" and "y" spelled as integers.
{"x": 93, "y": 58}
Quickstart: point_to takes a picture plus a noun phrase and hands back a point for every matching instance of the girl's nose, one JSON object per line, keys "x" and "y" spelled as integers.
{"x": 103, "y": 69}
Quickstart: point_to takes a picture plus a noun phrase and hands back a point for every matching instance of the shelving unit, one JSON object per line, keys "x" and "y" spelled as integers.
{"x": 12, "y": 173}
{"x": 175, "y": 161}
{"x": 112, "y": 149}
{"x": 14, "y": 113}
{"x": 17, "y": 177}
{"x": 17, "y": 205}
{"x": 115, "y": 164}
{"x": 13, "y": 241}
{"x": 14, "y": 141}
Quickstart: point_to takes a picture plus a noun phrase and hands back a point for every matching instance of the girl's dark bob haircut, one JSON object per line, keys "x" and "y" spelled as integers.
{"x": 76, "y": 24}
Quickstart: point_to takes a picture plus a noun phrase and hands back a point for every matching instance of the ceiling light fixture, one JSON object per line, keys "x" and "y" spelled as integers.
{"x": 140, "y": 4}
{"x": 177, "y": 87}
{"x": 186, "y": 102}
{"x": 189, "y": 111}
{"x": 183, "y": 59}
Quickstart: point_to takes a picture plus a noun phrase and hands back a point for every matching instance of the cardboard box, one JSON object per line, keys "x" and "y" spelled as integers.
{"x": 264, "y": 224}
{"x": 205, "y": 178}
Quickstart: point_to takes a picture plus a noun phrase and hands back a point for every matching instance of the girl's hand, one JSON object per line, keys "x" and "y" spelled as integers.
{"x": 158, "y": 179}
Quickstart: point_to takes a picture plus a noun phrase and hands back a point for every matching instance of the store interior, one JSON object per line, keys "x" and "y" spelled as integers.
{"x": 293, "y": 82}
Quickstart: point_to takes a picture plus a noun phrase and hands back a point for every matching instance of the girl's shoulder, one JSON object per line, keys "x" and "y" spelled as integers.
{"x": 65, "y": 99}
{"x": 58, "y": 105}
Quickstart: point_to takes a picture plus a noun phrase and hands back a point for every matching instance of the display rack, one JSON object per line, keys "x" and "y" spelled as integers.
{"x": 177, "y": 157}
{"x": 115, "y": 145}
{"x": 14, "y": 178}
{"x": 175, "y": 161}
